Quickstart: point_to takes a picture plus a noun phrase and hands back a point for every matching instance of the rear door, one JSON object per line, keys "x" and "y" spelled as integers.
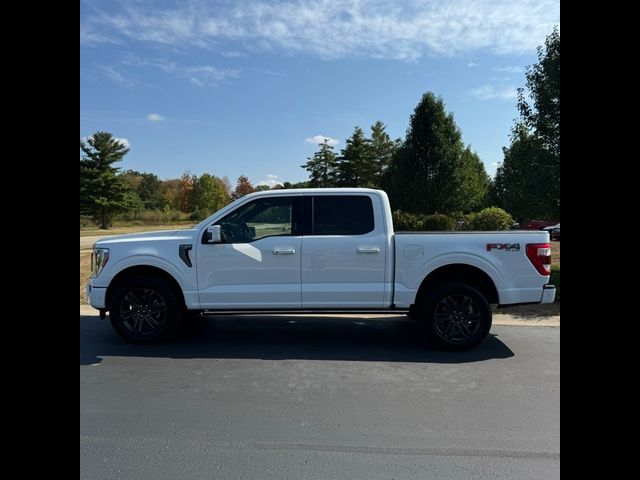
{"x": 343, "y": 252}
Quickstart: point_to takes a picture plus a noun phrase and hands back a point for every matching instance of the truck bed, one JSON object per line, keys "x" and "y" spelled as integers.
{"x": 502, "y": 255}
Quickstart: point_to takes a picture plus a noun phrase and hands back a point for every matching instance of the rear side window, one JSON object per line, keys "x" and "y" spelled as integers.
{"x": 342, "y": 215}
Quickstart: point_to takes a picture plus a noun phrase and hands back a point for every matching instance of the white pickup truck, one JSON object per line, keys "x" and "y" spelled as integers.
{"x": 316, "y": 250}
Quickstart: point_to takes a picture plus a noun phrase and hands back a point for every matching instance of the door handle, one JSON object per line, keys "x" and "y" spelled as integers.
{"x": 283, "y": 251}
{"x": 368, "y": 250}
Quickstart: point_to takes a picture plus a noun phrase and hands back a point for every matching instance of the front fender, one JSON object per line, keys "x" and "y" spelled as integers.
{"x": 187, "y": 283}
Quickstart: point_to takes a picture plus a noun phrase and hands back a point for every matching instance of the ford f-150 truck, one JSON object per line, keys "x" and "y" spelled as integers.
{"x": 316, "y": 250}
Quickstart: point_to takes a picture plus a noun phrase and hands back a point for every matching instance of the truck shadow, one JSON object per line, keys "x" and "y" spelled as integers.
{"x": 287, "y": 337}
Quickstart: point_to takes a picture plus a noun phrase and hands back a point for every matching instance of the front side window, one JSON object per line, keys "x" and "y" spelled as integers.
{"x": 342, "y": 215}
{"x": 261, "y": 218}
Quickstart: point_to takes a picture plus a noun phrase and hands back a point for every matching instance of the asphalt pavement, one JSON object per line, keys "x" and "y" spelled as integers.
{"x": 318, "y": 397}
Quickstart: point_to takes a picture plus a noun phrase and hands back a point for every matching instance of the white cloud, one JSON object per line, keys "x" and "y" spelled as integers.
{"x": 119, "y": 78}
{"x": 491, "y": 92}
{"x": 199, "y": 75}
{"x": 208, "y": 75}
{"x": 136, "y": 61}
{"x": 403, "y": 29}
{"x": 233, "y": 54}
{"x": 318, "y": 139}
{"x": 121, "y": 140}
{"x": 116, "y": 76}
{"x": 271, "y": 181}
{"x": 513, "y": 69}
{"x": 155, "y": 117}
{"x": 472, "y": 64}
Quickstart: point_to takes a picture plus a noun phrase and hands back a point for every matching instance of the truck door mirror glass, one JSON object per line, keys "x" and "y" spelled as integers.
{"x": 214, "y": 234}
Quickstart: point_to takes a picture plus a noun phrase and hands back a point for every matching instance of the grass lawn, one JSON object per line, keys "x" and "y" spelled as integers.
{"x": 92, "y": 232}
{"x": 85, "y": 270}
{"x": 555, "y": 253}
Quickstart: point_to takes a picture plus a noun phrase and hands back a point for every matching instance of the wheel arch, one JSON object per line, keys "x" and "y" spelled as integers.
{"x": 460, "y": 272}
{"x": 138, "y": 270}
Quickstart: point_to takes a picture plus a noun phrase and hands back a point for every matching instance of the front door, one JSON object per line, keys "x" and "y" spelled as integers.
{"x": 257, "y": 265}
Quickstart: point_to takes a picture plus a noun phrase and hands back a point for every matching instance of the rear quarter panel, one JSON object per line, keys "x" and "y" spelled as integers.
{"x": 515, "y": 278}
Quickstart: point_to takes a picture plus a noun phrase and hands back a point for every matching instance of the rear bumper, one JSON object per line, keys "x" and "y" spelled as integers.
{"x": 97, "y": 296}
{"x": 548, "y": 294}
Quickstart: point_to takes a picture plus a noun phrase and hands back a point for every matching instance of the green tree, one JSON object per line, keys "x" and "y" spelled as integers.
{"x": 355, "y": 167}
{"x": 430, "y": 171}
{"x": 209, "y": 194}
{"x": 262, "y": 188}
{"x": 522, "y": 184}
{"x": 131, "y": 181}
{"x": 382, "y": 150}
{"x": 322, "y": 167}
{"x": 102, "y": 190}
{"x": 243, "y": 187}
{"x": 528, "y": 182}
{"x": 472, "y": 182}
{"x": 150, "y": 191}
{"x": 543, "y": 83}
{"x": 145, "y": 190}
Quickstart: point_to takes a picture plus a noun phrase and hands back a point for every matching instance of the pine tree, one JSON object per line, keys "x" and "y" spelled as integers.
{"x": 382, "y": 150}
{"x": 102, "y": 191}
{"x": 355, "y": 164}
{"x": 322, "y": 167}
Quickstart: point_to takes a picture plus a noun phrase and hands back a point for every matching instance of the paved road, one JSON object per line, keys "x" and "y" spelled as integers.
{"x": 309, "y": 397}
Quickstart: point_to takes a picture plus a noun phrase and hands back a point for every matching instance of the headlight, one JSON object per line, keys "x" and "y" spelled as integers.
{"x": 99, "y": 258}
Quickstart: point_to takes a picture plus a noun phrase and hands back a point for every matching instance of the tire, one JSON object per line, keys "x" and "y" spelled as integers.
{"x": 457, "y": 316}
{"x": 144, "y": 309}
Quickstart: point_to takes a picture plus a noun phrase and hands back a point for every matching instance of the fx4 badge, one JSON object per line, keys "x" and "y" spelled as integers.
{"x": 509, "y": 247}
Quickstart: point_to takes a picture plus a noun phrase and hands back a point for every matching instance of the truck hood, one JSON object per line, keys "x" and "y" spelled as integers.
{"x": 186, "y": 234}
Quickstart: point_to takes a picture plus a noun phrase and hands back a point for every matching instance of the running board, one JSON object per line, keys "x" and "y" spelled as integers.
{"x": 399, "y": 311}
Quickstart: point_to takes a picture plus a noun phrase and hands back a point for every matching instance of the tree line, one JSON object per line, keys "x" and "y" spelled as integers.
{"x": 431, "y": 171}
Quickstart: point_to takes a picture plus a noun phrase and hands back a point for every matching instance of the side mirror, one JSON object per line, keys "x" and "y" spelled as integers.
{"x": 214, "y": 234}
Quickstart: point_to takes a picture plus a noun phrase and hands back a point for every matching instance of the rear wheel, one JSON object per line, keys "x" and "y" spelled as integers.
{"x": 456, "y": 315}
{"x": 144, "y": 309}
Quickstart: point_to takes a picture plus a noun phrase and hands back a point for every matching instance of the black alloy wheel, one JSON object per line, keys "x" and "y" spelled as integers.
{"x": 456, "y": 315}
{"x": 144, "y": 309}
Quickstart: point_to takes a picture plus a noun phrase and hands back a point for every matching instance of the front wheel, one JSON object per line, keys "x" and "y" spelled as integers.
{"x": 456, "y": 315}
{"x": 144, "y": 309}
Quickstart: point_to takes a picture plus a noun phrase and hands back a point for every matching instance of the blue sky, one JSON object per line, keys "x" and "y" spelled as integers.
{"x": 247, "y": 87}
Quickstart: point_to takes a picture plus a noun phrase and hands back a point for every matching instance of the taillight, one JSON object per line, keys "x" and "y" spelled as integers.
{"x": 540, "y": 255}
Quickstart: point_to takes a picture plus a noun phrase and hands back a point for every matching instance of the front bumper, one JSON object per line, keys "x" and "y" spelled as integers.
{"x": 97, "y": 296}
{"x": 548, "y": 294}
